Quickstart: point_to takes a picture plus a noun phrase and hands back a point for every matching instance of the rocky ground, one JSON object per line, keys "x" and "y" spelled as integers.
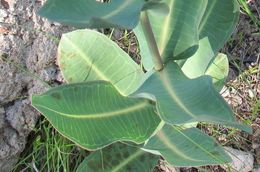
{"x": 27, "y": 65}
{"x": 26, "y": 51}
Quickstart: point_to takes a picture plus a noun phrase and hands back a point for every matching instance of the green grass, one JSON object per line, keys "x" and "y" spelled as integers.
{"x": 245, "y": 8}
{"x": 48, "y": 151}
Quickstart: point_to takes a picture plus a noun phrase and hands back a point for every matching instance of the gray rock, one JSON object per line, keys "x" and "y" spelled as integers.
{"x": 15, "y": 124}
{"x": 36, "y": 87}
{"x": 10, "y": 145}
{"x": 256, "y": 170}
{"x": 11, "y": 83}
{"x": 29, "y": 47}
{"x": 3, "y": 14}
{"x": 21, "y": 117}
{"x": 2, "y": 112}
{"x": 49, "y": 73}
{"x": 241, "y": 161}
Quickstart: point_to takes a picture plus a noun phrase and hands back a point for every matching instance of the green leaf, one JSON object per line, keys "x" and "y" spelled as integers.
{"x": 176, "y": 34}
{"x": 197, "y": 65}
{"x": 93, "y": 14}
{"x": 94, "y": 114}
{"x": 119, "y": 157}
{"x": 218, "y": 70}
{"x": 217, "y": 24}
{"x": 182, "y": 100}
{"x": 219, "y": 20}
{"x": 87, "y": 55}
{"x": 188, "y": 147}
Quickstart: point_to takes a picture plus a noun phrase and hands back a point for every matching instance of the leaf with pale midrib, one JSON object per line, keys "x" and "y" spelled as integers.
{"x": 181, "y": 100}
{"x": 216, "y": 27}
{"x": 119, "y": 158}
{"x": 186, "y": 147}
{"x": 176, "y": 33}
{"x": 218, "y": 22}
{"x": 87, "y": 55}
{"x": 94, "y": 114}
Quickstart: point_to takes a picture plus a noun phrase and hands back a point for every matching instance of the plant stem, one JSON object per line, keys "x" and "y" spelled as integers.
{"x": 148, "y": 32}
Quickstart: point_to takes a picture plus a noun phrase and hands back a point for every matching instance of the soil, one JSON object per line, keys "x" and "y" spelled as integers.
{"x": 28, "y": 54}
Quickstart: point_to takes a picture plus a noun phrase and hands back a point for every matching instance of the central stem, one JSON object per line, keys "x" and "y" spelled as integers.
{"x": 148, "y": 32}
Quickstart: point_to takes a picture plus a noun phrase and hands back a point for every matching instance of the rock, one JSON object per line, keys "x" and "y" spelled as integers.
{"x": 10, "y": 145}
{"x": 256, "y": 170}
{"x": 11, "y": 83}
{"x": 49, "y": 73}
{"x": 241, "y": 161}
{"x": 2, "y": 112}
{"x": 42, "y": 54}
{"x": 3, "y": 14}
{"x": 22, "y": 117}
{"x": 15, "y": 124}
{"x": 6, "y": 166}
{"x": 28, "y": 44}
{"x": 36, "y": 87}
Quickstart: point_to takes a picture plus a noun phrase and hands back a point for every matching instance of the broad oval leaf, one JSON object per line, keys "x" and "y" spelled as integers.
{"x": 94, "y": 114}
{"x": 119, "y": 158}
{"x": 87, "y": 55}
{"x": 182, "y": 100}
{"x": 94, "y": 14}
{"x": 188, "y": 147}
{"x": 219, "y": 20}
{"x": 176, "y": 34}
{"x": 215, "y": 28}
